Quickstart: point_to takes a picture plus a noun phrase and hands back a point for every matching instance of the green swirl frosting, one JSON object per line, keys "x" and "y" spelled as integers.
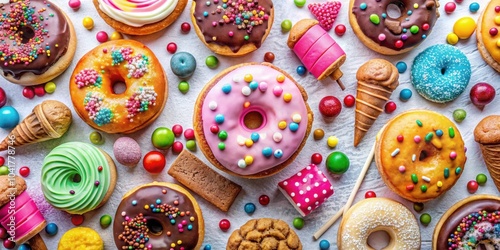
{"x": 71, "y": 179}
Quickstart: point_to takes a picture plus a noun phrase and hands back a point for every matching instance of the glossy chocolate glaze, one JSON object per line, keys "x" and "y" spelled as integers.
{"x": 149, "y": 195}
{"x": 450, "y": 225}
{"x": 56, "y": 36}
{"x": 392, "y": 28}
{"x": 222, "y": 29}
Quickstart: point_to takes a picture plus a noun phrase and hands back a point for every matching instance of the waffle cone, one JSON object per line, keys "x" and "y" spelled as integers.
{"x": 377, "y": 79}
{"x": 491, "y": 156}
{"x": 48, "y": 120}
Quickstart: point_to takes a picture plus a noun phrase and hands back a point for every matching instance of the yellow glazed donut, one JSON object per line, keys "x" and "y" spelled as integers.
{"x": 81, "y": 238}
{"x": 378, "y": 214}
{"x": 488, "y": 41}
{"x": 420, "y": 154}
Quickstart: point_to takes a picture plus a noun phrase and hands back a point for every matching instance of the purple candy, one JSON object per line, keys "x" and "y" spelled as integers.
{"x": 127, "y": 151}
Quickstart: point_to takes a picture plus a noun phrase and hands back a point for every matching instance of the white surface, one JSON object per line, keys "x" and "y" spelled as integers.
{"x": 179, "y": 109}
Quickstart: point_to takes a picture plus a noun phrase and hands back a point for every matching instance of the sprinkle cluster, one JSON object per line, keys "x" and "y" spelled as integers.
{"x": 140, "y": 101}
{"x": 137, "y": 65}
{"x": 96, "y": 111}
{"x": 481, "y": 226}
{"x": 88, "y": 77}
{"x": 16, "y": 46}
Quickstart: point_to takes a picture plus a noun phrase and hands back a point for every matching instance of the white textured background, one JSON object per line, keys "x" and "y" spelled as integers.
{"x": 179, "y": 109}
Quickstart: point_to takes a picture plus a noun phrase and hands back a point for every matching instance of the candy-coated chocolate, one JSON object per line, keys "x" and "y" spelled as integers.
{"x": 332, "y": 141}
{"x": 330, "y": 106}
{"x": 481, "y": 179}
{"x": 224, "y": 225}
{"x": 449, "y": 7}
{"x": 9, "y": 117}
{"x": 298, "y": 223}
{"x": 212, "y": 62}
{"x": 2, "y": 160}
{"x": 459, "y": 115}
{"x": 425, "y": 219}
{"x": 77, "y": 219}
{"x": 162, "y": 138}
{"x": 154, "y": 162}
{"x": 115, "y": 36}
{"x": 316, "y": 158}
{"x": 264, "y": 200}
{"x": 370, "y": 194}
{"x": 340, "y": 29}
{"x": 4, "y": 170}
{"x": 183, "y": 87}
{"x": 51, "y": 229}
{"x": 474, "y": 7}
{"x": 191, "y": 145}
{"x": 177, "y": 130}
{"x": 418, "y": 207}
{"x": 9, "y": 244}
{"x": 481, "y": 94}
{"x": 324, "y": 245}
{"x": 337, "y": 162}
{"x": 401, "y": 66}
{"x": 29, "y": 92}
{"x": 464, "y": 27}
{"x": 318, "y": 134}
{"x": 96, "y": 138}
{"x": 390, "y": 107}
{"x": 269, "y": 57}
{"x": 3, "y": 97}
{"x": 50, "y": 87}
{"x": 301, "y": 70}
{"x": 452, "y": 38}
{"x": 472, "y": 186}
{"x": 405, "y": 95}
{"x": 39, "y": 90}
{"x": 102, "y": 36}
{"x": 249, "y": 208}
{"x": 286, "y": 25}
{"x": 177, "y": 147}
{"x": 185, "y": 27}
{"x": 24, "y": 171}
{"x": 105, "y": 221}
{"x": 88, "y": 23}
{"x": 74, "y": 4}
{"x": 349, "y": 101}
{"x": 299, "y": 3}
{"x": 171, "y": 47}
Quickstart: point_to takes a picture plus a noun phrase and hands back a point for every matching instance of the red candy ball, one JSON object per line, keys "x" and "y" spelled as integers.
{"x": 214, "y": 129}
{"x": 177, "y": 147}
{"x": 349, "y": 101}
{"x": 29, "y": 92}
{"x": 9, "y": 244}
{"x": 171, "y": 48}
{"x": 3, "y": 97}
{"x": 370, "y": 194}
{"x": 74, "y": 4}
{"x": 316, "y": 158}
{"x": 493, "y": 31}
{"x": 2, "y": 161}
{"x": 340, "y": 29}
{"x": 185, "y": 27}
{"x": 449, "y": 7}
{"x": 77, "y": 219}
{"x": 224, "y": 225}
{"x": 39, "y": 90}
{"x": 102, "y": 36}
{"x": 399, "y": 44}
{"x": 330, "y": 106}
{"x": 24, "y": 171}
{"x": 154, "y": 162}
{"x": 3, "y": 233}
{"x": 497, "y": 9}
{"x": 400, "y": 138}
{"x": 264, "y": 200}
{"x": 189, "y": 134}
{"x": 459, "y": 1}
{"x": 481, "y": 94}
{"x": 390, "y": 106}
{"x": 425, "y": 26}
{"x": 177, "y": 129}
{"x": 269, "y": 57}
{"x": 472, "y": 186}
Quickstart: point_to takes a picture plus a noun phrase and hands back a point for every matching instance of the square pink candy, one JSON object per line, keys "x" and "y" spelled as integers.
{"x": 307, "y": 189}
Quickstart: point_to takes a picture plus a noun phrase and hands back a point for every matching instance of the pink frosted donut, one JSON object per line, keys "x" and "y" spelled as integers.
{"x": 252, "y": 120}
{"x": 307, "y": 189}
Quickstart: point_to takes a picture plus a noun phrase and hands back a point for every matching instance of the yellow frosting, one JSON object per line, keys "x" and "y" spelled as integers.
{"x": 491, "y": 19}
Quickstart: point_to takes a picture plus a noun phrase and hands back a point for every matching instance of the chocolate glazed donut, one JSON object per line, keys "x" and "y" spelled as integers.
{"x": 387, "y": 33}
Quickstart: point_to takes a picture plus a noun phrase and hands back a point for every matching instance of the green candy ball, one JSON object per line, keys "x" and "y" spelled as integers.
{"x": 298, "y": 223}
{"x": 162, "y": 138}
{"x": 286, "y": 25}
{"x": 96, "y": 138}
{"x": 418, "y": 207}
{"x": 212, "y": 62}
{"x": 50, "y": 87}
{"x": 183, "y": 87}
{"x": 105, "y": 221}
{"x": 300, "y": 3}
{"x": 425, "y": 219}
{"x": 4, "y": 170}
{"x": 191, "y": 145}
{"x": 459, "y": 115}
{"x": 481, "y": 179}
{"x": 337, "y": 162}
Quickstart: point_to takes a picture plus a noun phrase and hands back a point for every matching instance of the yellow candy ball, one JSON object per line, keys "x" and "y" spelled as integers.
{"x": 248, "y": 160}
{"x": 452, "y": 38}
{"x": 248, "y": 142}
{"x": 248, "y": 78}
{"x": 439, "y": 183}
{"x": 88, "y": 23}
{"x": 497, "y": 20}
{"x": 287, "y": 97}
{"x": 115, "y": 36}
{"x": 50, "y": 87}
{"x": 332, "y": 141}
{"x": 464, "y": 27}
{"x": 280, "y": 78}
{"x": 282, "y": 125}
{"x": 498, "y": 43}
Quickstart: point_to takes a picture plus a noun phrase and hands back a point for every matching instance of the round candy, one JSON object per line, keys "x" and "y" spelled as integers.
{"x": 88, "y": 23}
{"x": 162, "y": 138}
{"x": 171, "y": 47}
{"x": 449, "y": 7}
{"x": 105, "y": 221}
{"x": 269, "y": 57}
{"x": 349, "y": 101}
{"x": 472, "y": 186}
{"x": 183, "y": 87}
{"x": 2, "y": 161}
{"x": 402, "y": 67}
{"x": 29, "y": 92}
{"x": 4, "y": 170}
{"x": 286, "y": 25}
{"x": 474, "y": 7}
{"x": 481, "y": 94}
{"x": 249, "y": 208}
{"x": 189, "y": 134}
{"x": 318, "y": 134}
{"x": 370, "y": 194}
{"x": 50, "y": 87}
{"x": 340, "y": 30}
{"x": 185, "y": 27}
{"x": 39, "y": 90}
{"x": 207, "y": 247}
{"x": 389, "y": 107}
{"x": 24, "y": 171}
{"x": 224, "y": 225}
{"x": 74, "y": 4}
{"x": 3, "y": 97}
{"x": 177, "y": 147}
{"x": 405, "y": 95}
{"x": 9, "y": 117}
{"x": 324, "y": 245}
{"x": 9, "y": 244}
{"x": 154, "y": 162}
{"x": 332, "y": 141}
{"x": 191, "y": 145}
{"x": 264, "y": 200}
{"x": 102, "y": 36}
{"x": 24, "y": 247}
{"x": 459, "y": 115}
{"x": 77, "y": 219}
{"x": 452, "y": 38}
{"x": 299, "y": 3}
{"x": 425, "y": 219}
{"x": 298, "y": 223}
{"x": 115, "y": 36}
{"x": 330, "y": 106}
{"x": 316, "y": 158}
{"x": 212, "y": 62}
{"x": 51, "y": 229}
{"x": 301, "y": 70}
{"x": 177, "y": 130}
{"x": 481, "y": 179}
{"x": 418, "y": 207}
{"x": 3, "y": 233}
{"x": 96, "y": 138}
{"x": 183, "y": 64}
{"x": 337, "y": 162}
{"x": 464, "y": 27}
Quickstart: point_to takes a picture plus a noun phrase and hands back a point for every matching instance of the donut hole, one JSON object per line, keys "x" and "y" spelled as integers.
{"x": 118, "y": 85}
{"x": 427, "y": 153}
{"x": 155, "y": 227}
{"x": 253, "y": 119}
{"x": 379, "y": 240}
{"x": 394, "y": 10}
{"x": 26, "y": 33}
{"x": 443, "y": 71}
{"x": 76, "y": 178}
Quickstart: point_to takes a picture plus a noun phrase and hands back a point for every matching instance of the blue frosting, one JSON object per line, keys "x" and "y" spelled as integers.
{"x": 440, "y": 73}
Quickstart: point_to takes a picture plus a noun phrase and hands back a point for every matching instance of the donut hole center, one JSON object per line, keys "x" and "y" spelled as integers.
{"x": 155, "y": 227}
{"x": 379, "y": 240}
{"x": 253, "y": 119}
{"x": 427, "y": 153}
{"x": 443, "y": 71}
{"x": 118, "y": 85}
{"x": 394, "y": 10}
{"x": 26, "y": 33}
{"x": 76, "y": 178}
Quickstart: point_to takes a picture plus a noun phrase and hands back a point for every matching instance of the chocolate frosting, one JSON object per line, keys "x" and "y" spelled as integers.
{"x": 394, "y": 28}
{"x": 450, "y": 225}
{"x": 148, "y": 195}
{"x": 48, "y": 26}
{"x": 222, "y": 29}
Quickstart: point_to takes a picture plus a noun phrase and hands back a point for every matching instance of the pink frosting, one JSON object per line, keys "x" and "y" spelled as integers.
{"x": 307, "y": 189}
{"x": 27, "y": 216}
{"x": 317, "y": 50}
{"x": 265, "y": 100}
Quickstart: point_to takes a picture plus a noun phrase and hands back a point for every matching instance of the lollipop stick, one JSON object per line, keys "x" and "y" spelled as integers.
{"x": 37, "y": 243}
{"x": 328, "y": 224}
{"x": 360, "y": 179}
{"x": 336, "y": 75}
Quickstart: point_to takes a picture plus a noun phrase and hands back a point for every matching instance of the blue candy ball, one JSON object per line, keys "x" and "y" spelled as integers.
{"x": 294, "y": 126}
{"x": 267, "y": 151}
{"x": 207, "y": 247}
{"x": 249, "y": 208}
{"x": 51, "y": 229}
{"x": 402, "y": 67}
{"x": 9, "y": 117}
{"x": 324, "y": 245}
{"x": 405, "y": 95}
{"x": 301, "y": 70}
{"x": 24, "y": 247}
{"x": 474, "y": 7}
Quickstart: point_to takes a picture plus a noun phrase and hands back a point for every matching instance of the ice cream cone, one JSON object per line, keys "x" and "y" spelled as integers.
{"x": 377, "y": 79}
{"x": 487, "y": 134}
{"x": 48, "y": 120}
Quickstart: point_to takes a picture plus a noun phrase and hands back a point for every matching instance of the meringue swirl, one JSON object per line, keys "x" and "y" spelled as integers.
{"x": 72, "y": 177}
{"x": 137, "y": 13}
